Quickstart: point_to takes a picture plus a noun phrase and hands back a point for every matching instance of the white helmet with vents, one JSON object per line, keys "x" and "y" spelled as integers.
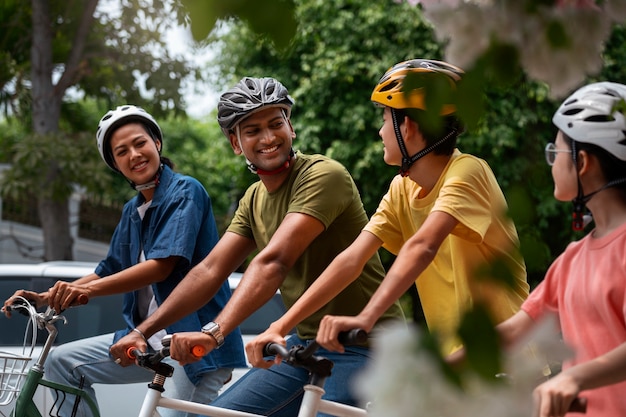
{"x": 596, "y": 114}
{"x": 122, "y": 115}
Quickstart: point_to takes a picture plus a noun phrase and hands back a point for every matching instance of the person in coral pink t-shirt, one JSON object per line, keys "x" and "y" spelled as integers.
{"x": 586, "y": 286}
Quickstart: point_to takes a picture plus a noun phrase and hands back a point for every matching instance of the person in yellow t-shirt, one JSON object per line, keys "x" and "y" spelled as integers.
{"x": 444, "y": 216}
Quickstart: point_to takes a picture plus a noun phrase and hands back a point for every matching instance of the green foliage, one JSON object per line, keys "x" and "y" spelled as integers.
{"x": 261, "y": 15}
{"x": 201, "y": 151}
{"x": 481, "y": 343}
{"x": 37, "y": 158}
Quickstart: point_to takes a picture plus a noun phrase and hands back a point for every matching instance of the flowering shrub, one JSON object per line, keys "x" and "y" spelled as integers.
{"x": 558, "y": 42}
{"x": 405, "y": 377}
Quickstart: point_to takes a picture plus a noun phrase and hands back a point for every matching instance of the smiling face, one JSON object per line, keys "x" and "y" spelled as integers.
{"x": 135, "y": 153}
{"x": 265, "y": 138}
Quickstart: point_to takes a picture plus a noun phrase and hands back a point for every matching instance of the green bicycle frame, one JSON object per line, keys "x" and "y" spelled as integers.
{"x": 24, "y": 405}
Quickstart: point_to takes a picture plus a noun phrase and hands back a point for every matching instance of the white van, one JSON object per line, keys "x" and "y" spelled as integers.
{"x": 101, "y": 315}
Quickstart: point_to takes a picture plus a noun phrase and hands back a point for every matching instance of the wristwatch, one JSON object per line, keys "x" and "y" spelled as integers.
{"x": 213, "y": 329}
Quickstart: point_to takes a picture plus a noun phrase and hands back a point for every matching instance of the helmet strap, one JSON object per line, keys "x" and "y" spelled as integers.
{"x": 406, "y": 160}
{"x": 150, "y": 184}
{"x": 579, "y": 218}
{"x": 255, "y": 170}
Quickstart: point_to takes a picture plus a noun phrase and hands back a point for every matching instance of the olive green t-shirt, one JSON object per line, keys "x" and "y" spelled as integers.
{"x": 322, "y": 188}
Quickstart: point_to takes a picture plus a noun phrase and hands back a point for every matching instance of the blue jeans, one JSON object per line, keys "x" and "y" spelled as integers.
{"x": 90, "y": 358}
{"x": 278, "y": 391}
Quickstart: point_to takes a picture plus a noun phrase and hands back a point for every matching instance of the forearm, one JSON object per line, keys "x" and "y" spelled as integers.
{"x": 195, "y": 290}
{"x": 604, "y": 370}
{"x": 133, "y": 278}
{"x": 339, "y": 274}
{"x": 412, "y": 260}
{"x": 257, "y": 286}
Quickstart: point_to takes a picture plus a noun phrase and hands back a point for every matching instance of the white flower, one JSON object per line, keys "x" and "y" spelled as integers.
{"x": 403, "y": 379}
{"x": 470, "y": 27}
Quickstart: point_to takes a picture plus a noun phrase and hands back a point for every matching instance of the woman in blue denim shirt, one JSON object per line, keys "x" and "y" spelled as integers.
{"x": 166, "y": 229}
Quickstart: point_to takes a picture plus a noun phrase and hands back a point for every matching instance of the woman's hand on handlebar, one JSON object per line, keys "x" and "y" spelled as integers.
{"x": 66, "y": 294}
{"x": 120, "y": 349}
{"x": 39, "y": 300}
{"x": 554, "y": 397}
{"x": 254, "y": 349}
{"x": 331, "y": 326}
{"x": 185, "y": 345}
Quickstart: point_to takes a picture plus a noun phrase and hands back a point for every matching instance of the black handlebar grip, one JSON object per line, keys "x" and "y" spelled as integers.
{"x": 352, "y": 337}
{"x": 579, "y": 405}
{"x": 275, "y": 349}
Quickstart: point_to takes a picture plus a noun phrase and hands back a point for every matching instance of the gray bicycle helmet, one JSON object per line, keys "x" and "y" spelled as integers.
{"x": 249, "y": 96}
{"x": 590, "y": 115}
{"x": 113, "y": 119}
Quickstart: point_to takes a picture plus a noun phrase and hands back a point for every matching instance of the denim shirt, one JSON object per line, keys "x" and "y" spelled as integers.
{"x": 179, "y": 222}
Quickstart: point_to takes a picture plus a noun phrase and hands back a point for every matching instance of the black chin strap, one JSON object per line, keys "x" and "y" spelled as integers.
{"x": 578, "y": 216}
{"x": 407, "y": 160}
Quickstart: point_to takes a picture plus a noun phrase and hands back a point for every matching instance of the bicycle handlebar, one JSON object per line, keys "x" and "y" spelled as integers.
{"x": 579, "y": 405}
{"x": 24, "y": 306}
{"x": 347, "y": 338}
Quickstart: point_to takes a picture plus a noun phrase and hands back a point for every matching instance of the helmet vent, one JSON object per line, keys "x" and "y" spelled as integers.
{"x": 600, "y": 118}
{"x": 390, "y": 86}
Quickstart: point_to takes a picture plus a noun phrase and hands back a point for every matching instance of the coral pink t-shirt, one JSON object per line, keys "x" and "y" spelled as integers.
{"x": 586, "y": 288}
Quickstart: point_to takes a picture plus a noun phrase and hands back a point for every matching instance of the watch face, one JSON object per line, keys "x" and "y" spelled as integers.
{"x": 214, "y": 330}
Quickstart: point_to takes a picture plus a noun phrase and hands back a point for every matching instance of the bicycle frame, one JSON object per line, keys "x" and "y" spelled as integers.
{"x": 24, "y": 404}
{"x": 319, "y": 369}
{"x": 312, "y": 403}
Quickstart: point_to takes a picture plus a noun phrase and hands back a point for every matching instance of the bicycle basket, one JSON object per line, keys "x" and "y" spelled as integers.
{"x": 12, "y": 373}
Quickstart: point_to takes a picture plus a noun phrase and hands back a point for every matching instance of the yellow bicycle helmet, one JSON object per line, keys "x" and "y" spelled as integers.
{"x": 390, "y": 89}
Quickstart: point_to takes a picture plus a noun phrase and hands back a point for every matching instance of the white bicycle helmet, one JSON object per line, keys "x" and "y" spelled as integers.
{"x": 249, "y": 96}
{"x": 590, "y": 115}
{"x": 113, "y": 119}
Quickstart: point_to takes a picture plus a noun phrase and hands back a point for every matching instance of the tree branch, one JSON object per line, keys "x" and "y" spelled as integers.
{"x": 74, "y": 67}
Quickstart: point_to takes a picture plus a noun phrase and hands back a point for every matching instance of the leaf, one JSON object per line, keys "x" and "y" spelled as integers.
{"x": 481, "y": 343}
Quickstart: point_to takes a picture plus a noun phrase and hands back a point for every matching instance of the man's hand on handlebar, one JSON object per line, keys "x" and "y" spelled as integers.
{"x": 185, "y": 346}
{"x": 119, "y": 350}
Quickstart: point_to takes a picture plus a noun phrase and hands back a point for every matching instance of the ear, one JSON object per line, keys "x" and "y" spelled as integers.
{"x": 410, "y": 130}
{"x": 234, "y": 143}
{"x": 587, "y": 163}
{"x": 157, "y": 142}
{"x": 293, "y": 131}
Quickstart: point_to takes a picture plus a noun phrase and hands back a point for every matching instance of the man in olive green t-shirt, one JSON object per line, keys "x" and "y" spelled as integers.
{"x": 302, "y": 213}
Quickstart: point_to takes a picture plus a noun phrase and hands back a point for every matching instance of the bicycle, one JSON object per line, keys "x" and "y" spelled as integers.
{"x": 19, "y": 385}
{"x": 319, "y": 369}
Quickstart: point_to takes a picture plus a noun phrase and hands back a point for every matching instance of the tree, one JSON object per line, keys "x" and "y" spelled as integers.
{"x": 115, "y": 54}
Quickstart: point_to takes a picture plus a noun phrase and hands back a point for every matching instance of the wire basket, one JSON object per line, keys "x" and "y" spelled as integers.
{"x": 12, "y": 373}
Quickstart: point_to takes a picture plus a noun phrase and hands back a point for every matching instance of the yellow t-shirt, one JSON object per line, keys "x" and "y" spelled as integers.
{"x": 467, "y": 190}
